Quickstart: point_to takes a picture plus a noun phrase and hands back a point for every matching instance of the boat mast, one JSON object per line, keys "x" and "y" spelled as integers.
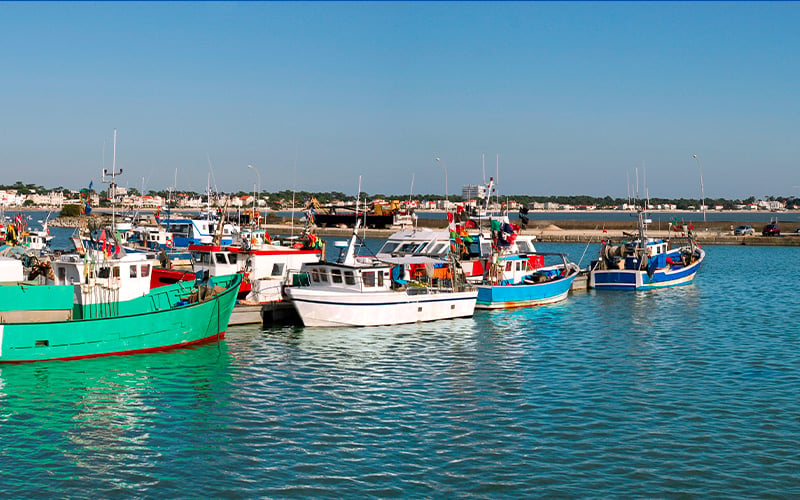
{"x": 112, "y": 184}
{"x": 350, "y": 256}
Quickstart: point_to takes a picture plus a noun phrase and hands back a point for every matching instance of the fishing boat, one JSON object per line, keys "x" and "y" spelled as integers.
{"x": 187, "y": 231}
{"x": 475, "y": 248}
{"x": 522, "y": 280}
{"x": 376, "y": 215}
{"x": 265, "y": 265}
{"x": 645, "y": 263}
{"x": 477, "y": 240}
{"x": 45, "y": 322}
{"x": 356, "y": 291}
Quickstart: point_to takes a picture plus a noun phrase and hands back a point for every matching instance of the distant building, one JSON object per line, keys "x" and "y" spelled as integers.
{"x": 10, "y": 197}
{"x": 770, "y": 205}
{"x": 117, "y": 191}
{"x": 51, "y": 199}
{"x": 471, "y": 191}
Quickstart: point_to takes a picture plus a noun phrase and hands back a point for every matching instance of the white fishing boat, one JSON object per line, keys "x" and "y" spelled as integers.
{"x": 357, "y": 291}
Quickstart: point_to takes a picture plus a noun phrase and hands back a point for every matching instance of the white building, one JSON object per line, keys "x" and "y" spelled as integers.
{"x": 51, "y": 199}
{"x": 10, "y": 198}
{"x": 770, "y": 205}
{"x": 473, "y": 191}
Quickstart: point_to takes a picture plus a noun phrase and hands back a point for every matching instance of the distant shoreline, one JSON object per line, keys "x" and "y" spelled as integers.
{"x": 106, "y": 210}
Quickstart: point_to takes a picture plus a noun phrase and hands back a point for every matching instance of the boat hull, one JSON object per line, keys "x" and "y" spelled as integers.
{"x": 155, "y": 322}
{"x": 523, "y": 295}
{"x": 633, "y": 279}
{"x": 349, "y": 220}
{"x": 325, "y": 308}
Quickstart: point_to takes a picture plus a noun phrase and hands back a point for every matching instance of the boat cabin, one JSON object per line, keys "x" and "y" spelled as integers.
{"x": 475, "y": 250}
{"x": 187, "y": 232}
{"x": 334, "y": 276}
{"x": 98, "y": 279}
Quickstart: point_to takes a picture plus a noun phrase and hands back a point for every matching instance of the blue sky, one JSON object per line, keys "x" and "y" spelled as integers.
{"x": 572, "y": 96}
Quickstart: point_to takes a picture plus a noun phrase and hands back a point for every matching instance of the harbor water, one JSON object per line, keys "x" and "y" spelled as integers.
{"x": 685, "y": 392}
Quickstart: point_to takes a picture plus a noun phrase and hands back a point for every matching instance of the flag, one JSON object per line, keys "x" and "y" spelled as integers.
{"x": 91, "y": 183}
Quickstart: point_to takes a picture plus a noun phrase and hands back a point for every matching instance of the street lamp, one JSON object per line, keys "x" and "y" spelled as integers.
{"x": 446, "y": 202}
{"x": 702, "y": 192}
{"x": 259, "y": 189}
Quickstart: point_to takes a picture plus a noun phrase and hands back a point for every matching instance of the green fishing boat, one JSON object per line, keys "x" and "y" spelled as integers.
{"x": 46, "y": 322}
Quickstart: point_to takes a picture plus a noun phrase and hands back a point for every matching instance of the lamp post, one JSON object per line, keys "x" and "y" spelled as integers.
{"x": 258, "y": 175}
{"x": 702, "y": 192}
{"x": 446, "y": 201}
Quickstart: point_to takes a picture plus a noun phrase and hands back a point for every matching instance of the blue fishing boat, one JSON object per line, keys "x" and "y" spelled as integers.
{"x": 521, "y": 280}
{"x": 645, "y": 263}
{"x": 188, "y": 231}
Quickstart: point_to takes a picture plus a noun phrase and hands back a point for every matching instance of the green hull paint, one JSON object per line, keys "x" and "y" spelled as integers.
{"x": 156, "y": 321}
{"x": 35, "y": 297}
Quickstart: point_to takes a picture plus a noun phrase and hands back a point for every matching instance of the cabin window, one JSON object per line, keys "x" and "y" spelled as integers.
{"x": 407, "y": 247}
{"x": 380, "y": 278}
{"x": 369, "y": 279}
{"x": 232, "y": 258}
{"x": 315, "y": 275}
{"x": 509, "y": 265}
{"x": 104, "y": 272}
{"x": 201, "y": 257}
{"x": 220, "y": 258}
{"x": 277, "y": 269}
{"x": 439, "y": 249}
{"x": 179, "y": 230}
{"x": 519, "y": 265}
{"x": 133, "y": 271}
{"x": 323, "y": 275}
{"x": 116, "y": 271}
{"x": 336, "y": 275}
{"x": 524, "y": 246}
{"x": 389, "y": 247}
{"x": 145, "y": 270}
{"x": 349, "y": 279}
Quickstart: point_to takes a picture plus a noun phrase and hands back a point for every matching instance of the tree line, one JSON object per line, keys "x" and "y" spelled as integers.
{"x": 278, "y": 198}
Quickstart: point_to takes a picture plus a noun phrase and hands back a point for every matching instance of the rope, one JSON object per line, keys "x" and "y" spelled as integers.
{"x": 585, "y": 249}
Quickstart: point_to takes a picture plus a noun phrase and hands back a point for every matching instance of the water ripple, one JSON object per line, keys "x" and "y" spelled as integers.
{"x": 684, "y": 392}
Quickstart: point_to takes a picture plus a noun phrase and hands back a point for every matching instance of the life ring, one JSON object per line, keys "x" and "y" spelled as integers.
{"x": 168, "y": 244}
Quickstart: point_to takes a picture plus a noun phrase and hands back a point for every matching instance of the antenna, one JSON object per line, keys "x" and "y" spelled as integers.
{"x": 349, "y": 257}
{"x": 358, "y": 200}
{"x": 702, "y": 192}
{"x": 497, "y": 177}
{"x": 483, "y": 167}
{"x": 212, "y": 173}
{"x": 112, "y": 184}
{"x": 628, "y": 184}
{"x": 644, "y": 186}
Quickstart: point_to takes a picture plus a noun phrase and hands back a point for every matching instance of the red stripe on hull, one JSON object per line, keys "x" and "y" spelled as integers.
{"x": 212, "y": 338}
